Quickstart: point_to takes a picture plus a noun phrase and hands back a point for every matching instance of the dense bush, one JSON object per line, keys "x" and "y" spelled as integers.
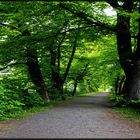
{"x": 30, "y": 98}
{"x": 13, "y": 99}
{"x": 9, "y": 105}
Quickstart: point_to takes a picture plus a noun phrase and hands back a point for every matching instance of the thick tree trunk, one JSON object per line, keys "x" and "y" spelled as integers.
{"x": 130, "y": 62}
{"x": 124, "y": 43}
{"x": 125, "y": 48}
{"x": 134, "y": 92}
{"x": 35, "y": 73}
{"x": 34, "y": 70}
{"x": 133, "y": 81}
{"x": 134, "y": 85}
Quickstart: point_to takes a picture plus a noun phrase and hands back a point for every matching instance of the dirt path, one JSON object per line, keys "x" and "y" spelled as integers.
{"x": 84, "y": 117}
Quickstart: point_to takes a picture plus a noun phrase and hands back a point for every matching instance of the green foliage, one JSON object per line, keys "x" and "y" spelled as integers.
{"x": 134, "y": 103}
{"x": 117, "y": 99}
{"x": 120, "y": 101}
{"x": 31, "y": 99}
{"x": 13, "y": 103}
{"x": 8, "y": 105}
{"x": 128, "y": 113}
{"x": 14, "y": 96}
{"x": 54, "y": 94}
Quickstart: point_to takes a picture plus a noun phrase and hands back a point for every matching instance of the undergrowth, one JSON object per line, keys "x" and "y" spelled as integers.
{"x": 129, "y": 109}
{"x": 28, "y": 112}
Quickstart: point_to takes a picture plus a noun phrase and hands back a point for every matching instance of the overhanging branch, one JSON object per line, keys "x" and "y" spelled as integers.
{"x": 88, "y": 19}
{"x": 7, "y": 25}
{"x": 12, "y": 64}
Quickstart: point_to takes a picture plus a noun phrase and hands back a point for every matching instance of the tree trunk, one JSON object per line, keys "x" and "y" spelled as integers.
{"x": 125, "y": 48}
{"x": 121, "y": 84}
{"x": 134, "y": 85}
{"x": 133, "y": 80}
{"x": 35, "y": 73}
{"x": 134, "y": 92}
{"x": 71, "y": 58}
{"x": 75, "y": 86}
{"x": 54, "y": 70}
{"x": 57, "y": 82}
{"x": 34, "y": 70}
{"x": 117, "y": 84}
{"x": 57, "y": 79}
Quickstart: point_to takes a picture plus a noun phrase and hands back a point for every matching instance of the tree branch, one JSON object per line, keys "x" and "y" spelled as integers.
{"x": 82, "y": 74}
{"x": 88, "y": 18}
{"x": 59, "y": 52}
{"x": 12, "y": 64}
{"x": 7, "y": 25}
{"x": 114, "y": 4}
{"x": 37, "y": 38}
{"x": 71, "y": 57}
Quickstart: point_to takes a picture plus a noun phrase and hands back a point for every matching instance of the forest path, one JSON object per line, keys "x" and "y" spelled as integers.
{"x": 82, "y": 117}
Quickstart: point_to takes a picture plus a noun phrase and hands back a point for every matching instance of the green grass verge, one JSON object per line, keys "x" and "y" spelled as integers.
{"x": 85, "y": 94}
{"x": 78, "y": 95}
{"x": 29, "y": 112}
{"x": 127, "y": 112}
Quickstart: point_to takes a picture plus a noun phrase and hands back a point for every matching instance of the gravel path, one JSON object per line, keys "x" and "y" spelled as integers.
{"x": 83, "y": 117}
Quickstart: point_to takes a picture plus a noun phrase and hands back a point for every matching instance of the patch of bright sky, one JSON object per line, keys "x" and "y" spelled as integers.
{"x": 110, "y": 12}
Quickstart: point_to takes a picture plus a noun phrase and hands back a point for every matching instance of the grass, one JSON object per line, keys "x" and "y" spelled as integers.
{"x": 127, "y": 112}
{"x": 29, "y": 112}
{"x": 85, "y": 94}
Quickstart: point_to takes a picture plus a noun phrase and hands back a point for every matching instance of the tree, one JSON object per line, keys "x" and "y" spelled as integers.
{"x": 52, "y": 40}
{"x": 57, "y": 78}
{"x": 128, "y": 57}
{"x": 79, "y": 77}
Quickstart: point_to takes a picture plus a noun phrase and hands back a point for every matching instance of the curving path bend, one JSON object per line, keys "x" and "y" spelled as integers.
{"x": 83, "y": 117}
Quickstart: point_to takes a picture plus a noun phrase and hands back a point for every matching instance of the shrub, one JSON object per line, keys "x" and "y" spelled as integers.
{"x": 8, "y": 105}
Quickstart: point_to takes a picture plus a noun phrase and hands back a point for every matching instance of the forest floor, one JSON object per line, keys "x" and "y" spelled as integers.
{"x": 82, "y": 117}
